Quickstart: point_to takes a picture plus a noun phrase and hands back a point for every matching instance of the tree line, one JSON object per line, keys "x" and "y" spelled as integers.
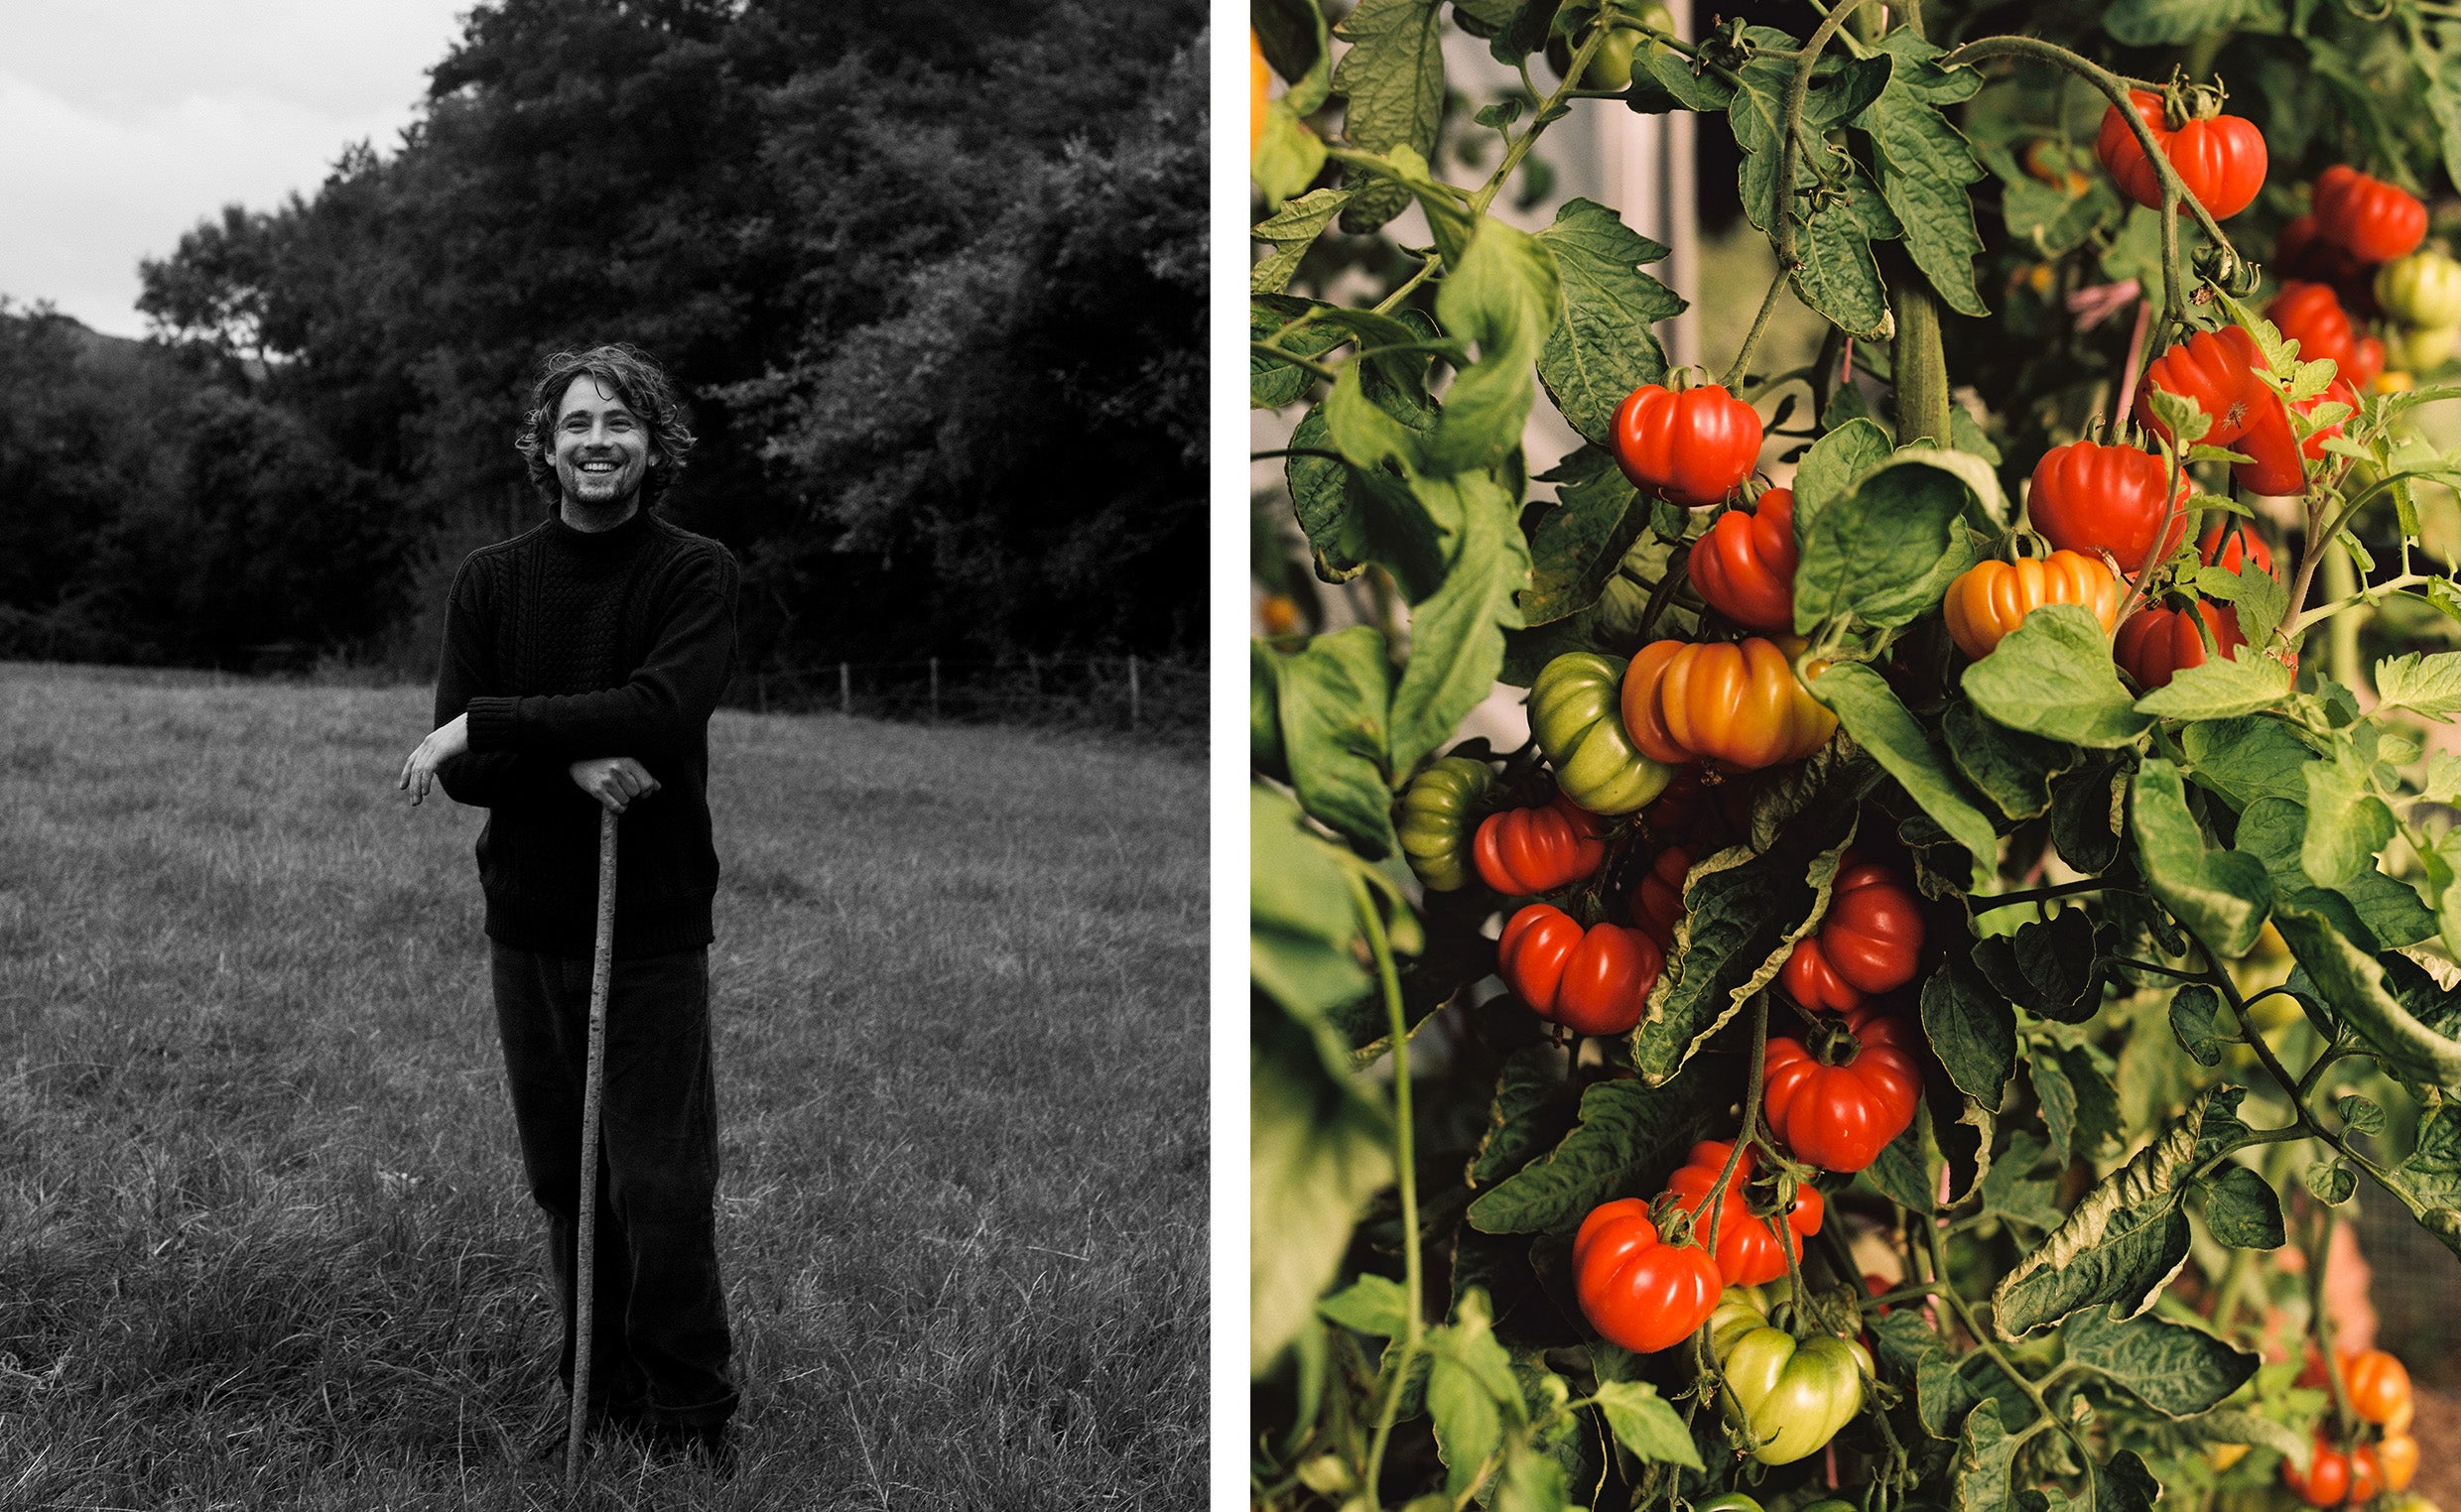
{"x": 933, "y": 281}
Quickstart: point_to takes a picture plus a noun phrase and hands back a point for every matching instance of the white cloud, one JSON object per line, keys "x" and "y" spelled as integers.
{"x": 128, "y": 121}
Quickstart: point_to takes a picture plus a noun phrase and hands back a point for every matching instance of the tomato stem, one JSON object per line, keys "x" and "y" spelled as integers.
{"x": 1918, "y": 365}
{"x": 2320, "y": 1322}
{"x": 1798, "y": 92}
{"x": 1751, "y": 341}
{"x": 1372, "y": 923}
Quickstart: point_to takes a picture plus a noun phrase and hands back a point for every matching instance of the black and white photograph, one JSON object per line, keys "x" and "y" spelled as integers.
{"x": 603, "y": 823}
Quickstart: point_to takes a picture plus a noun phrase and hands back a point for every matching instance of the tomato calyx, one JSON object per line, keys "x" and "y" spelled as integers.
{"x": 1831, "y": 1042}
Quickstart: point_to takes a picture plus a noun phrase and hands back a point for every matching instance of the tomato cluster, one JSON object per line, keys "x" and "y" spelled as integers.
{"x": 2359, "y": 255}
{"x": 2220, "y": 158}
{"x": 1992, "y": 598}
{"x": 2223, "y": 374}
{"x": 2161, "y": 640}
{"x": 1794, "y": 1394}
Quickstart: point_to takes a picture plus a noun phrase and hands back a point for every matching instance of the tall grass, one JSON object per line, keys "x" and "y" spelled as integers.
{"x": 262, "y": 1242}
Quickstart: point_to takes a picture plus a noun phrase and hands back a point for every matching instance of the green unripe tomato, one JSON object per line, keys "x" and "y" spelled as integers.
{"x": 1795, "y": 1394}
{"x": 1610, "y": 65}
{"x": 2421, "y": 290}
{"x": 2418, "y": 349}
{"x": 1440, "y": 815}
{"x": 1264, "y": 715}
{"x": 1731, "y": 1501}
{"x": 1577, "y": 714}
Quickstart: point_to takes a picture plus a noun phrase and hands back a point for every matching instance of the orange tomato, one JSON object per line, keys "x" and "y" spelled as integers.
{"x": 1741, "y": 703}
{"x": 1992, "y": 598}
{"x": 1259, "y": 90}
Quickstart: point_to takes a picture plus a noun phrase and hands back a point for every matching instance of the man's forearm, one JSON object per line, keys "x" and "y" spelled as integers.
{"x": 657, "y": 712}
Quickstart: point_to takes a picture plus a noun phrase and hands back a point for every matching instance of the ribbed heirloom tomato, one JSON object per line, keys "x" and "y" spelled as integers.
{"x": 2210, "y": 369}
{"x": 2375, "y": 220}
{"x": 2159, "y": 641}
{"x": 1439, "y": 816}
{"x": 1590, "y": 981}
{"x": 1992, "y": 598}
{"x": 2221, "y": 160}
{"x": 1744, "y": 565}
{"x": 1573, "y": 712}
{"x": 2274, "y": 455}
{"x": 1868, "y": 942}
{"x": 1838, "y": 1102}
{"x": 1750, "y": 1249}
{"x": 1738, "y": 703}
{"x": 2312, "y": 314}
{"x": 2089, "y": 497}
{"x": 1522, "y": 851}
{"x": 2420, "y": 290}
{"x": 1690, "y": 446}
{"x": 1794, "y": 1394}
{"x": 2230, "y": 542}
{"x": 1635, "y": 1290}
{"x": 1658, "y": 903}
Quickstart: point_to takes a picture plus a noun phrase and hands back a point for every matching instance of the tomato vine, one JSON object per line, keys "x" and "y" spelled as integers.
{"x": 2037, "y": 999}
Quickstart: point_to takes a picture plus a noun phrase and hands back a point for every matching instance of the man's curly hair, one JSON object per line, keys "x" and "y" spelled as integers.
{"x": 631, "y": 376}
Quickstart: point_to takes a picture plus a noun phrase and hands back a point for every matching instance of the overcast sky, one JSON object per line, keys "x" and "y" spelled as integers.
{"x": 125, "y": 122}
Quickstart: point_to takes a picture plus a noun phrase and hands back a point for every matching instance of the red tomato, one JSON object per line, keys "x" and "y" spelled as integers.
{"x": 1839, "y": 1117}
{"x": 2230, "y": 542}
{"x": 1741, "y": 704}
{"x": 2377, "y": 1384}
{"x": 2157, "y": 643}
{"x": 1636, "y": 1292}
{"x": 2275, "y": 452}
{"x": 2088, "y": 497}
{"x": 1593, "y": 982}
{"x": 2377, "y": 221}
{"x": 1745, "y": 564}
{"x": 1525, "y": 851}
{"x": 1750, "y": 1251}
{"x": 1992, "y": 598}
{"x": 2209, "y": 369}
{"x": 1692, "y": 447}
{"x": 2221, "y": 160}
{"x": 2327, "y": 1481}
{"x": 1658, "y": 903}
{"x": 2312, "y": 314}
{"x": 1868, "y": 942}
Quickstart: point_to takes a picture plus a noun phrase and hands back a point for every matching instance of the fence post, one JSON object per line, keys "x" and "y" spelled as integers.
{"x": 846, "y": 694}
{"x": 1132, "y": 691}
{"x": 935, "y": 690}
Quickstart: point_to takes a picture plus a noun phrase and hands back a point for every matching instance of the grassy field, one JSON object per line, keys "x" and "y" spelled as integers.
{"x": 262, "y": 1242}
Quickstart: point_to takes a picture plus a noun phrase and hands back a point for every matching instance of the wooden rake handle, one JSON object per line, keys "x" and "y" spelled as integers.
{"x": 585, "y": 1244}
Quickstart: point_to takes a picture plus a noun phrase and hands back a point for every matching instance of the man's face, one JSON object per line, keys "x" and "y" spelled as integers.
{"x": 603, "y": 448}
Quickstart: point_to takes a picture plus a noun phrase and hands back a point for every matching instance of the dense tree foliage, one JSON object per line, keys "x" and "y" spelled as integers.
{"x": 935, "y": 290}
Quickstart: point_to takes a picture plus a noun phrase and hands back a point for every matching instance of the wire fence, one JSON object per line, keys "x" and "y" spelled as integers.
{"x": 1159, "y": 700}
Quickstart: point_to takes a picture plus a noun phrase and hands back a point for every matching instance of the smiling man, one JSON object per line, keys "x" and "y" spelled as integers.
{"x": 582, "y": 662}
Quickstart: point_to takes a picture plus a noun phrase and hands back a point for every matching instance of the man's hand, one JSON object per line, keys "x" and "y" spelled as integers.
{"x": 444, "y": 743}
{"x": 615, "y": 781}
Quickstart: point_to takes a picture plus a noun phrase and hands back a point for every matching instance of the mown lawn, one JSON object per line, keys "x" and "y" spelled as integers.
{"x": 262, "y": 1236}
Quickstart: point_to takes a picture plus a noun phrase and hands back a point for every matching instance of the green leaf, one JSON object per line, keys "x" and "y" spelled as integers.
{"x": 1835, "y": 275}
{"x": 1649, "y": 1429}
{"x": 1531, "y": 1482}
{"x": 2347, "y": 823}
{"x": 1500, "y": 294}
{"x": 2331, "y": 1183}
{"x": 2371, "y": 908}
{"x": 2361, "y": 1115}
{"x": 1354, "y": 516}
{"x": 1973, "y": 1031}
{"x": 2127, "y": 1236}
{"x": 2173, "y": 1368}
{"x": 1829, "y": 470}
{"x": 1392, "y": 82}
{"x": 2242, "y": 1209}
{"x": 1924, "y": 166}
{"x": 2352, "y": 982}
{"x": 2247, "y": 759}
{"x": 1879, "y": 553}
{"x": 1293, "y": 34}
{"x": 2013, "y": 770}
{"x": 2259, "y": 605}
{"x": 1468, "y": 1422}
{"x": 1292, "y": 230}
{"x": 1871, "y": 712}
{"x": 1579, "y": 544}
{"x": 2048, "y": 222}
{"x": 2431, "y": 684}
{"x": 1303, "y": 923}
{"x": 1317, "y": 1151}
{"x": 2428, "y": 1184}
{"x": 2047, "y": 966}
{"x": 2086, "y": 804}
{"x": 1629, "y": 1136}
{"x": 1333, "y": 696}
{"x": 1271, "y": 384}
{"x": 1985, "y": 1456}
{"x": 1456, "y": 643}
{"x": 2053, "y": 676}
{"x": 1287, "y": 159}
{"x": 2220, "y": 689}
{"x": 1533, "y": 1109}
{"x": 1901, "y": 1172}
{"x": 2193, "y": 1009}
{"x": 2220, "y": 896}
{"x": 1372, "y": 1305}
{"x": 2014, "y": 1189}
{"x": 2441, "y": 72}
{"x": 2232, "y": 1427}
{"x": 1599, "y": 349}
{"x": 2167, "y": 23}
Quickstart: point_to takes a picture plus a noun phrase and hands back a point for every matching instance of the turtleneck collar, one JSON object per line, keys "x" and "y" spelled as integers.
{"x": 602, "y": 543}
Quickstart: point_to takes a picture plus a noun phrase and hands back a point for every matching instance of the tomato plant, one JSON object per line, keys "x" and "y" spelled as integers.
{"x": 2019, "y": 908}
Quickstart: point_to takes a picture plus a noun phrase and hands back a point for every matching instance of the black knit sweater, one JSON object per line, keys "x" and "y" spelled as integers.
{"x": 563, "y": 645}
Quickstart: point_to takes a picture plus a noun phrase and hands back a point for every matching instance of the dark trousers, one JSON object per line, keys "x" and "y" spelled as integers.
{"x": 659, "y": 1346}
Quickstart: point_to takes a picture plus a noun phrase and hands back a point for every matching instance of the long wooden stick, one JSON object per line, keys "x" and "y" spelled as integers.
{"x": 585, "y": 1244}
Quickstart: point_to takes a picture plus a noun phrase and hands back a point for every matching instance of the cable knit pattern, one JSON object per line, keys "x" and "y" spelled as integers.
{"x": 563, "y": 645}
